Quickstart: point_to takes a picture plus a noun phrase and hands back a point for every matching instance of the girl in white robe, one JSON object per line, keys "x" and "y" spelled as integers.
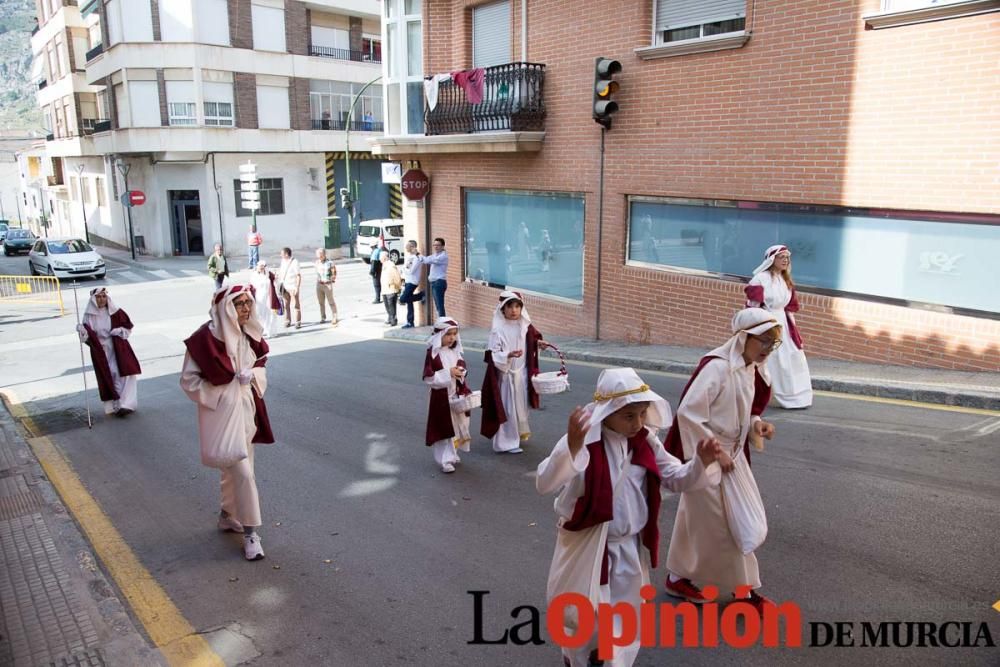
{"x": 719, "y": 403}
{"x": 444, "y": 373}
{"x": 772, "y": 288}
{"x": 608, "y": 446}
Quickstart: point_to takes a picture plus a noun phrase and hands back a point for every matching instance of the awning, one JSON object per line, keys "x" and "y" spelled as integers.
{"x": 89, "y": 7}
{"x": 38, "y": 69}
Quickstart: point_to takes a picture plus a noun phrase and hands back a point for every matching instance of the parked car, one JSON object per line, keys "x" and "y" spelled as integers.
{"x": 17, "y": 241}
{"x": 3, "y": 229}
{"x": 65, "y": 258}
{"x": 369, "y": 231}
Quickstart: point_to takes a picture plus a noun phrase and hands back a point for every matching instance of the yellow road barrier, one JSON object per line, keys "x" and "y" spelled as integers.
{"x": 31, "y": 289}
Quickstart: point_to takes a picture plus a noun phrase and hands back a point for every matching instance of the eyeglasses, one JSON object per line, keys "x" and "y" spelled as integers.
{"x": 769, "y": 344}
{"x": 244, "y": 303}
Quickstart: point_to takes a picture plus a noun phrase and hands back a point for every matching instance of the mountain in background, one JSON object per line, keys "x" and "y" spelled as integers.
{"x": 18, "y": 108}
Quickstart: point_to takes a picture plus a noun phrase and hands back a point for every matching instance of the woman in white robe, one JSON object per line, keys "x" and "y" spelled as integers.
{"x": 108, "y": 322}
{"x": 262, "y": 280}
{"x": 719, "y": 403}
{"x": 772, "y": 288}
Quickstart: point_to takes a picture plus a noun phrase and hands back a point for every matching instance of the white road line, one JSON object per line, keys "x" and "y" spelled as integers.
{"x": 128, "y": 276}
{"x": 161, "y": 273}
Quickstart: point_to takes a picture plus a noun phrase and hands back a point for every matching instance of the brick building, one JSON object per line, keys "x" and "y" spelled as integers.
{"x": 863, "y": 134}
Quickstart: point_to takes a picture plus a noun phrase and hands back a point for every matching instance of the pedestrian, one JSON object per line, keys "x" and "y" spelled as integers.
{"x": 511, "y": 361}
{"x": 268, "y": 303}
{"x": 609, "y": 469}
{"x": 105, "y": 330}
{"x": 438, "y": 261}
{"x": 724, "y": 399}
{"x": 375, "y": 271}
{"x": 412, "y": 272}
{"x": 290, "y": 284}
{"x": 392, "y": 283}
{"x": 524, "y": 240}
{"x": 369, "y": 121}
{"x": 772, "y": 288}
{"x": 218, "y": 267}
{"x": 254, "y": 239}
{"x": 546, "y": 250}
{"x": 326, "y": 276}
{"x": 444, "y": 373}
{"x": 224, "y": 374}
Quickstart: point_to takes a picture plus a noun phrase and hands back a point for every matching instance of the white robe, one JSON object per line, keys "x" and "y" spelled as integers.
{"x": 445, "y": 450}
{"x": 717, "y": 404}
{"x": 267, "y": 317}
{"x": 226, "y": 426}
{"x": 576, "y": 563}
{"x": 791, "y": 385}
{"x": 513, "y": 373}
{"x": 126, "y": 387}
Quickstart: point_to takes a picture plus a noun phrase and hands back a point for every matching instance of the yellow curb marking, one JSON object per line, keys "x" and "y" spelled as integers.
{"x": 828, "y": 394}
{"x": 176, "y": 639}
{"x": 996, "y": 605}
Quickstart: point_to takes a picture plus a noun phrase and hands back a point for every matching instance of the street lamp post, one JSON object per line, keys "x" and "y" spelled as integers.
{"x": 83, "y": 204}
{"x": 124, "y": 168}
{"x": 347, "y": 166}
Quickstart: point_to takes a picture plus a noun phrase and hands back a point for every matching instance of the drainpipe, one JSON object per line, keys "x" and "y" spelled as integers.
{"x": 524, "y": 31}
{"x": 218, "y": 200}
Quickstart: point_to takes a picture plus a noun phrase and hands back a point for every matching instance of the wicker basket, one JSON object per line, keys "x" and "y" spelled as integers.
{"x": 553, "y": 382}
{"x": 466, "y": 402}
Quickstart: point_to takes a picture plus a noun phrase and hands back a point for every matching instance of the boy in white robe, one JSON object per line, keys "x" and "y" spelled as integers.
{"x": 444, "y": 373}
{"x": 723, "y": 400}
{"x": 610, "y": 469}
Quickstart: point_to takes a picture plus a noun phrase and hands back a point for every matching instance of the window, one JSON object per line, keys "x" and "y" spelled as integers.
{"x": 272, "y": 197}
{"x": 491, "y": 34}
{"x": 181, "y": 106}
{"x": 678, "y": 20}
{"x": 904, "y": 5}
{"x": 219, "y": 113}
{"x": 268, "y": 28}
{"x": 144, "y": 101}
{"x": 907, "y": 12}
{"x": 272, "y": 107}
{"x": 99, "y": 188}
{"x": 840, "y": 250}
{"x": 404, "y": 54}
{"x": 371, "y": 49}
{"x": 330, "y": 104}
{"x": 85, "y": 184}
{"x": 182, "y": 113}
{"x": 526, "y": 240}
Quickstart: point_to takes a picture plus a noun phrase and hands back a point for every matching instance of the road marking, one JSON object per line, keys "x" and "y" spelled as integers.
{"x": 131, "y": 276}
{"x": 173, "y": 635}
{"x": 996, "y": 605}
{"x": 161, "y": 273}
{"x": 828, "y": 394}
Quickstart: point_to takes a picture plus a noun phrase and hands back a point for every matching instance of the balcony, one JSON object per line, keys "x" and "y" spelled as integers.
{"x": 94, "y": 52}
{"x": 102, "y": 125}
{"x": 346, "y": 54}
{"x": 512, "y": 101}
{"x": 91, "y": 125}
{"x": 341, "y": 125}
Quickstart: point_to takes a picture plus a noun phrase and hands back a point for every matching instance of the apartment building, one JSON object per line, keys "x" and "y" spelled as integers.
{"x": 863, "y": 134}
{"x": 169, "y": 97}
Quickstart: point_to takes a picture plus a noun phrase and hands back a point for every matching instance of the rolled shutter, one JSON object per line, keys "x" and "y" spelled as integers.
{"x": 491, "y": 34}
{"x": 679, "y": 13}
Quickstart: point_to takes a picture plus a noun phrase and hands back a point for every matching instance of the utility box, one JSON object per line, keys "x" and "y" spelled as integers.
{"x": 331, "y": 232}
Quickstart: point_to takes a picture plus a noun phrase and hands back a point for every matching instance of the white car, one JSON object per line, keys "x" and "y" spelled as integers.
{"x": 392, "y": 232}
{"x": 65, "y": 258}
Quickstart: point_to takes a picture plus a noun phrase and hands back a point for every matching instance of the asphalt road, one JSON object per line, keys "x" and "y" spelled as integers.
{"x": 877, "y": 512}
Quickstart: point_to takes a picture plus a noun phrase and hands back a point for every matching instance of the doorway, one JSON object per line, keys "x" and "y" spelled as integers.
{"x": 185, "y": 211}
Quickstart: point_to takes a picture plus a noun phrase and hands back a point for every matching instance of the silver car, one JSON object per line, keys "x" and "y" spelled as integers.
{"x": 65, "y": 258}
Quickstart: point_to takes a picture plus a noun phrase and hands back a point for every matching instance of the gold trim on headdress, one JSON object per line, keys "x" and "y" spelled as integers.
{"x": 599, "y": 397}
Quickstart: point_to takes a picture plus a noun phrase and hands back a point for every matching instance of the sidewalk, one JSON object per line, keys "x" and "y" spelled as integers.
{"x": 197, "y": 262}
{"x": 56, "y": 605}
{"x": 960, "y": 388}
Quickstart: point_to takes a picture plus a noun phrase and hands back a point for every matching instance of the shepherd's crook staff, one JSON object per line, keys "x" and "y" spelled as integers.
{"x": 83, "y": 365}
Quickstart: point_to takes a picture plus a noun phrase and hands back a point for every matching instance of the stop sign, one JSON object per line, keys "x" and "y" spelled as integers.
{"x": 415, "y": 184}
{"x": 136, "y": 197}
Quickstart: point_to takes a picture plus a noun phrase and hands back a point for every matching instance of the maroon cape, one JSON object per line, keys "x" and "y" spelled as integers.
{"x": 596, "y": 505}
{"x": 493, "y": 410}
{"x": 125, "y": 358}
{"x": 273, "y": 293}
{"x": 210, "y": 354}
{"x": 755, "y": 294}
{"x": 439, "y": 426}
{"x": 761, "y": 397}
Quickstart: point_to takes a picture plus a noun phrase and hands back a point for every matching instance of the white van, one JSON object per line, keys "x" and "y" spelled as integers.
{"x": 369, "y": 231}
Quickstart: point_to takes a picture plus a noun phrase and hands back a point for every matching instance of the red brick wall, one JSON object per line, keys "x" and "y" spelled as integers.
{"x": 812, "y": 109}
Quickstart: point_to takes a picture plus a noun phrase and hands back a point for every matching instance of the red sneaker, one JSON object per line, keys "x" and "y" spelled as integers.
{"x": 684, "y": 589}
{"x": 759, "y": 602}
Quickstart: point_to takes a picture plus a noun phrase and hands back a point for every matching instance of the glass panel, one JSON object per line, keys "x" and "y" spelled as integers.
{"x": 413, "y": 6}
{"x": 528, "y": 240}
{"x": 414, "y": 49}
{"x": 391, "y": 8}
{"x": 394, "y": 47}
{"x": 392, "y": 104}
{"x": 415, "y": 107}
{"x": 925, "y": 261}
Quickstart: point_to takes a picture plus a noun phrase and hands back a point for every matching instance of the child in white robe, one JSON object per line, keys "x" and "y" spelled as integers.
{"x": 511, "y": 361}
{"x": 266, "y": 298}
{"x": 605, "y": 466}
{"x": 444, "y": 373}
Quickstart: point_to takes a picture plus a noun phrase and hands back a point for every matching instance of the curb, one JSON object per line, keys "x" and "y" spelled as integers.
{"x": 956, "y": 396}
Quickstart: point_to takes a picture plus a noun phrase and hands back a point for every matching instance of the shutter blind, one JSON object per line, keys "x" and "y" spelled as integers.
{"x": 491, "y": 34}
{"x": 680, "y": 13}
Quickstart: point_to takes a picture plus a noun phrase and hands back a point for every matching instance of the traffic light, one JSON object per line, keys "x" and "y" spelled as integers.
{"x": 345, "y": 199}
{"x": 604, "y": 87}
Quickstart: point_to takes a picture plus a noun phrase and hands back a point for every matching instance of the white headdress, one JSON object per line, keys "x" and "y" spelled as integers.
{"x": 616, "y": 388}
{"x": 225, "y": 323}
{"x": 505, "y": 298}
{"x": 442, "y": 326}
{"x": 92, "y": 309}
{"x": 746, "y": 322}
{"x": 769, "y": 256}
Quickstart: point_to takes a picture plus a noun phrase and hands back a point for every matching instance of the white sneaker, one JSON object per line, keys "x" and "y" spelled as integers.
{"x": 229, "y": 524}
{"x": 516, "y": 450}
{"x": 251, "y": 547}
{"x": 447, "y": 467}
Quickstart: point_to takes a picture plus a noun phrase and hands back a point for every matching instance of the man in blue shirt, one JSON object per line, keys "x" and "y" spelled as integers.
{"x": 375, "y": 271}
{"x": 438, "y": 262}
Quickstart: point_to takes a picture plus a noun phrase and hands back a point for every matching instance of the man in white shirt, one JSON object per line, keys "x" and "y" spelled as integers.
{"x": 412, "y": 271}
{"x": 438, "y": 274}
{"x": 290, "y": 278}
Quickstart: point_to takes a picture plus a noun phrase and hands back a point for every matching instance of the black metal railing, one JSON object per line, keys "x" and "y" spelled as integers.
{"x": 42, "y": 84}
{"x": 346, "y": 54}
{"x": 50, "y": 136}
{"x": 90, "y": 125}
{"x": 356, "y": 125}
{"x": 94, "y": 52}
{"x": 34, "y": 31}
{"x": 102, "y": 125}
{"x": 511, "y": 100}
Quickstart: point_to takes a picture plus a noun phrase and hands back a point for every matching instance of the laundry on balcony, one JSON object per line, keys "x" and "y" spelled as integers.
{"x": 498, "y": 98}
{"x": 471, "y": 81}
{"x": 431, "y": 88}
